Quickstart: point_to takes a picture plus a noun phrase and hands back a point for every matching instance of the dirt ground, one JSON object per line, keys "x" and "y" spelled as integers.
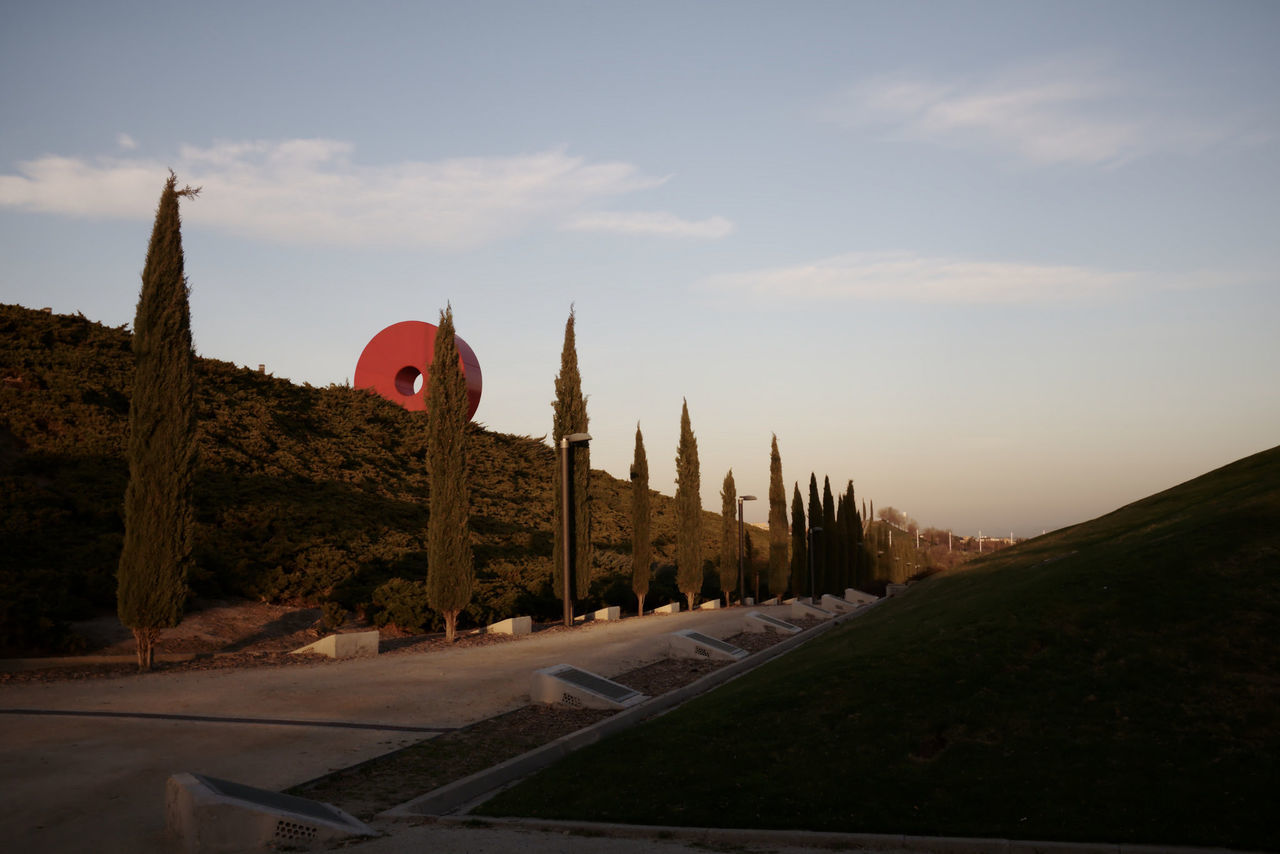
{"x": 220, "y": 634}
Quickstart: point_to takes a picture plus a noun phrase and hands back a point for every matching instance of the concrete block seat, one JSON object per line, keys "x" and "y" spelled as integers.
{"x": 801, "y": 610}
{"x": 688, "y": 643}
{"x": 349, "y": 645}
{"x": 758, "y": 622}
{"x": 566, "y": 685}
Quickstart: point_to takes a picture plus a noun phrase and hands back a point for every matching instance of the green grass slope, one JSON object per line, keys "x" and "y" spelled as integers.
{"x": 310, "y": 495}
{"x": 1117, "y": 681}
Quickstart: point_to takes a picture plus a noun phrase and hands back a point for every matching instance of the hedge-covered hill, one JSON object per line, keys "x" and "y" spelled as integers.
{"x": 303, "y": 494}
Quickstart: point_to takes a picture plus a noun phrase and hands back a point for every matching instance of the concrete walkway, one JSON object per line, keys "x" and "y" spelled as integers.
{"x": 77, "y": 782}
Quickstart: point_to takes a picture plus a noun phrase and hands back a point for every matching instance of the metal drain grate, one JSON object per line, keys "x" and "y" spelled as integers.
{"x": 275, "y": 800}
{"x": 290, "y": 831}
{"x": 688, "y": 643}
{"x": 597, "y": 684}
{"x": 713, "y": 643}
{"x": 567, "y": 685}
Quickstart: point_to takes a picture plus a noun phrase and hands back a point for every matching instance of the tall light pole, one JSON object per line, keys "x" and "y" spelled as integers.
{"x": 566, "y": 490}
{"x": 812, "y": 592}
{"x": 741, "y": 542}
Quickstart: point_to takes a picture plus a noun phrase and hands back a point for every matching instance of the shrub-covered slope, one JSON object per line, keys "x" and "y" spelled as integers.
{"x": 302, "y": 494}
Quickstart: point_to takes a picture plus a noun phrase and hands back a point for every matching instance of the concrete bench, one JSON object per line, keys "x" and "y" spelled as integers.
{"x": 801, "y": 610}
{"x": 349, "y": 645}
{"x": 689, "y": 643}
{"x": 512, "y": 626}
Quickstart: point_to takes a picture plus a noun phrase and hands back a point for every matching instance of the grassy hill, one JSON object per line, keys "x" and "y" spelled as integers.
{"x": 1117, "y": 681}
{"x": 303, "y": 494}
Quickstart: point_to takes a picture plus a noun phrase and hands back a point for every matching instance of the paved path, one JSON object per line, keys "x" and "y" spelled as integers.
{"x": 75, "y": 783}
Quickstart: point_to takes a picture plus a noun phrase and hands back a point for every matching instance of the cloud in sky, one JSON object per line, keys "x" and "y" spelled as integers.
{"x": 1065, "y": 112}
{"x": 310, "y": 191}
{"x": 910, "y": 277}
{"x": 652, "y": 223}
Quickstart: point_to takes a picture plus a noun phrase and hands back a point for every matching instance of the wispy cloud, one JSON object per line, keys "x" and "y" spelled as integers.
{"x": 126, "y": 142}
{"x": 312, "y": 191}
{"x": 652, "y": 223}
{"x": 907, "y": 277}
{"x": 1063, "y": 112}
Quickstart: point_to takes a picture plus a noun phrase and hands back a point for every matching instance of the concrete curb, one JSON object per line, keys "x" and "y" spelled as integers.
{"x": 471, "y": 790}
{"x": 721, "y": 837}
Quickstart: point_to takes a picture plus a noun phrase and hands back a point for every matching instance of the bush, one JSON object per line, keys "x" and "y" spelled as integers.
{"x": 403, "y": 604}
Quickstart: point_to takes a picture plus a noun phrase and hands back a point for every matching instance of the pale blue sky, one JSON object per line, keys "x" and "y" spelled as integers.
{"x": 1005, "y": 265}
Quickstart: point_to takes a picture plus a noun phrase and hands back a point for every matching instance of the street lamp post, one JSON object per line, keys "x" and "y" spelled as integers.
{"x": 813, "y": 593}
{"x": 566, "y": 490}
{"x": 741, "y": 543}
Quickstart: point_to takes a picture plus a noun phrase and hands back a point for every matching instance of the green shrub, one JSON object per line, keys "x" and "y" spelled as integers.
{"x": 403, "y": 604}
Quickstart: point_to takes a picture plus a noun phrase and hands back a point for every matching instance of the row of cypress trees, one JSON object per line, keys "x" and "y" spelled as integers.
{"x": 840, "y": 558}
{"x": 156, "y": 557}
{"x": 159, "y": 515}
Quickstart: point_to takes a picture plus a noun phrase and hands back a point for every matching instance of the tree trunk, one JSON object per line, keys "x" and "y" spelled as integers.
{"x": 450, "y": 626}
{"x": 145, "y": 640}
{"x": 640, "y": 606}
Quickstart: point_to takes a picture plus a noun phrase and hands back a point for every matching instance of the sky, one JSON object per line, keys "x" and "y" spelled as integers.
{"x": 1007, "y": 266}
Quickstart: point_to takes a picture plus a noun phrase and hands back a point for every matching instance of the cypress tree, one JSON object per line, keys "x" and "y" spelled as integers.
{"x": 450, "y": 572}
{"x": 728, "y": 537}
{"x": 158, "y": 514}
{"x": 641, "y": 544}
{"x": 818, "y": 540}
{"x": 778, "y": 564}
{"x": 853, "y": 539}
{"x": 799, "y": 548}
{"x": 570, "y": 416}
{"x": 689, "y": 513}
{"x": 829, "y": 552}
{"x": 842, "y": 579}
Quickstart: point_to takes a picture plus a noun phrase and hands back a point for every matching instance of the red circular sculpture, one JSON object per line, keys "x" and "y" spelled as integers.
{"x": 395, "y": 359}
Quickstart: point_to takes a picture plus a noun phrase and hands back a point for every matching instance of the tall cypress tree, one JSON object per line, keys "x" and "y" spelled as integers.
{"x": 641, "y": 544}
{"x": 688, "y": 512}
{"x": 779, "y": 568}
{"x": 829, "y": 541}
{"x": 853, "y": 539}
{"x": 817, "y": 541}
{"x": 799, "y": 548}
{"x": 841, "y": 580}
{"x": 158, "y": 515}
{"x": 570, "y": 416}
{"x": 728, "y": 537}
{"x": 450, "y": 571}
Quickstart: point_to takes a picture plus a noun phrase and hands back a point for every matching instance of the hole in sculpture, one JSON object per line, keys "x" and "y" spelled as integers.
{"x": 408, "y": 380}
